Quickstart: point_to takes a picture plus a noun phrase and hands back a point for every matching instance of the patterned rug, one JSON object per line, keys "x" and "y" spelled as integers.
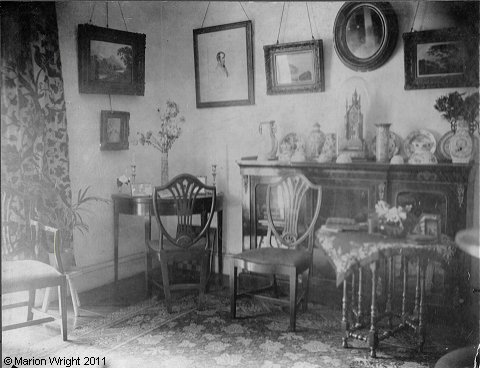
{"x": 145, "y": 335}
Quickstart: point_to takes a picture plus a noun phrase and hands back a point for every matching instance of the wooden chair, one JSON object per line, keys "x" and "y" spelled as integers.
{"x": 30, "y": 275}
{"x": 290, "y": 252}
{"x": 186, "y": 197}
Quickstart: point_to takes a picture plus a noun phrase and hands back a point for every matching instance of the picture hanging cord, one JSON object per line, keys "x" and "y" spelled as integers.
{"x": 208, "y": 5}
{"x": 91, "y": 14}
{"x": 106, "y": 3}
{"x": 110, "y": 98}
{"x": 206, "y": 11}
{"x": 280, "y": 26}
{"x": 309, "y": 21}
{"x": 121, "y": 12}
{"x": 415, "y": 15}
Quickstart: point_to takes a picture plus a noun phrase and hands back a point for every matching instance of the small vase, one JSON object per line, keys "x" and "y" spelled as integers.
{"x": 382, "y": 142}
{"x": 164, "y": 168}
{"x": 315, "y": 143}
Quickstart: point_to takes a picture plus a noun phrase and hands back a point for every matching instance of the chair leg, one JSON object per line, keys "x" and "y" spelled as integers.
{"x": 233, "y": 290}
{"x": 306, "y": 286}
{"x": 166, "y": 284}
{"x": 74, "y": 295}
{"x": 31, "y": 302}
{"x": 293, "y": 298}
{"x": 46, "y": 299}
{"x": 148, "y": 272}
{"x": 62, "y": 300}
{"x": 203, "y": 281}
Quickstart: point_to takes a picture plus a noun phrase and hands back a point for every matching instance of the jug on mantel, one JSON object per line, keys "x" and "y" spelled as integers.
{"x": 269, "y": 142}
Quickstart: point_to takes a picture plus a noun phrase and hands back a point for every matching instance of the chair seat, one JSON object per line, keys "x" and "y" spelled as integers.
{"x": 26, "y": 274}
{"x": 276, "y": 257}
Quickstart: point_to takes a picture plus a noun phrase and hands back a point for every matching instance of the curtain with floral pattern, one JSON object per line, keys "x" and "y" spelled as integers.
{"x": 34, "y": 140}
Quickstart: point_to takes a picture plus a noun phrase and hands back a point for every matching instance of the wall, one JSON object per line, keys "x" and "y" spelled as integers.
{"x": 219, "y": 135}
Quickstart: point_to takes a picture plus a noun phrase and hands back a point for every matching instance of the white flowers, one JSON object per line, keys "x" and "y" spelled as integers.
{"x": 392, "y": 215}
{"x": 169, "y": 132}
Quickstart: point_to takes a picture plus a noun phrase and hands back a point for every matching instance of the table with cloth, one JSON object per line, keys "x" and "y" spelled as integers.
{"x": 353, "y": 253}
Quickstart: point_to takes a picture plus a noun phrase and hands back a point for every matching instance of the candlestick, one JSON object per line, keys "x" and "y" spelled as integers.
{"x": 214, "y": 174}
{"x": 134, "y": 171}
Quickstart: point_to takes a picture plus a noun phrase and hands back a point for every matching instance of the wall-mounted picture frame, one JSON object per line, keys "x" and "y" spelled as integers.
{"x": 295, "y": 67}
{"x": 110, "y": 61}
{"x": 142, "y": 189}
{"x": 365, "y": 34}
{"x": 224, "y": 69}
{"x": 114, "y": 130}
{"x": 441, "y": 58}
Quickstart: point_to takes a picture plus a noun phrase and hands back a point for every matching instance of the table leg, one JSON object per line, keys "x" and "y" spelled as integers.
{"x": 115, "y": 241}
{"x": 360, "y": 300}
{"x": 345, "y": 326}
{"x": 404, "y": 293}
{"x": 220, "y": 245}
{"x": 373, "y": 334}
{"x": 421, "y": 321}
{"x": 148, "y": 259}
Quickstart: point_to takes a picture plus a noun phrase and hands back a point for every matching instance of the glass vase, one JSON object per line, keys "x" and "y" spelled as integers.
{"x": 164, "y": 168}
{"x": 392, "y": 230}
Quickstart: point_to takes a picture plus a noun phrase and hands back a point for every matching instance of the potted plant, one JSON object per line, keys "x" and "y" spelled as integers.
{"x": 454, "y": 107}
{"x": 47, "y": 204}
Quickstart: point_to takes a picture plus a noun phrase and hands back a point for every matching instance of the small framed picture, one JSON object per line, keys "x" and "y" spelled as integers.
{"x": 443, "y": 58}
{"x": 224, "y": 68}
{"x": 114, "y": 130}
{"x": 142, "y": 190}
{"x": 110, "y": 61}
{"x": 295, "y": 67}
{"x": 430, "y": 225}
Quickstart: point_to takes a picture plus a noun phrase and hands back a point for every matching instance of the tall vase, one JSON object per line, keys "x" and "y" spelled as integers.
{"x": 382, "y": 142}
{"x": 164, "y": 168}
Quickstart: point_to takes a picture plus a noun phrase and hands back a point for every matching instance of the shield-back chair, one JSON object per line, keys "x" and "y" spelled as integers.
{"x": 288, "y": 253}
{"x": 186, "y": 241}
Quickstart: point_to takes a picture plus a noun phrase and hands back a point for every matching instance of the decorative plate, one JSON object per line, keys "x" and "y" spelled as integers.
{"x": 394, "y": 143}
{"x": 289, "y": 145}
{"x": 443, "y": 147}
{"x": 422, "y": 158}
{"x": 418, "y": 141}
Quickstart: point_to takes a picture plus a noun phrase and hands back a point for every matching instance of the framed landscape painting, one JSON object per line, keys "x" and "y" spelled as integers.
{"x": 441, "y": 59}
{"x": 294, "y": 67}
{"x": 224, "y": 73}
{"x": 114, "y": 130}
{"x": 110, "y": 61}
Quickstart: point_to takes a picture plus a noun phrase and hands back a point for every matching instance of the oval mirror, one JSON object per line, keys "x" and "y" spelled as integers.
{"x": 365, "y": 34}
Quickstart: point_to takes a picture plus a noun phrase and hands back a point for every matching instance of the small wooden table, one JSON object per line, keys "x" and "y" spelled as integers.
{"x": 350, "y": 252}
{"x": 143, "y": 206}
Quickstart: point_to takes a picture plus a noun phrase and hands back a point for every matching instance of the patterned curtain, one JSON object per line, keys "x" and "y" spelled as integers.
{"x": 34, "y": 140}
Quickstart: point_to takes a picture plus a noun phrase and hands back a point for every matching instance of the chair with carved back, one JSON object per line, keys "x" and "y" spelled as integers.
{"x": 288, "y": 251}
{"x": 30, "y": 275}
{"x": 186, "y": 241}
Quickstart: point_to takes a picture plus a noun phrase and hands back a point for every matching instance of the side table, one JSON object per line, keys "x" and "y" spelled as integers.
{"x": 351, "y": 252}
{"x": 143, "y": 206}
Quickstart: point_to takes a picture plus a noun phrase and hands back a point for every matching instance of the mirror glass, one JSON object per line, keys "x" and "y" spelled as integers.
{"x": 364, "y": 32}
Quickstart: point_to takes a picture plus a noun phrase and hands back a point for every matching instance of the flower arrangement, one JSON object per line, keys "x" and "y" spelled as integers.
{"x": 453, "y": 107}
{"x": 169, "y": 132}
{"x": 395, "y": 221}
